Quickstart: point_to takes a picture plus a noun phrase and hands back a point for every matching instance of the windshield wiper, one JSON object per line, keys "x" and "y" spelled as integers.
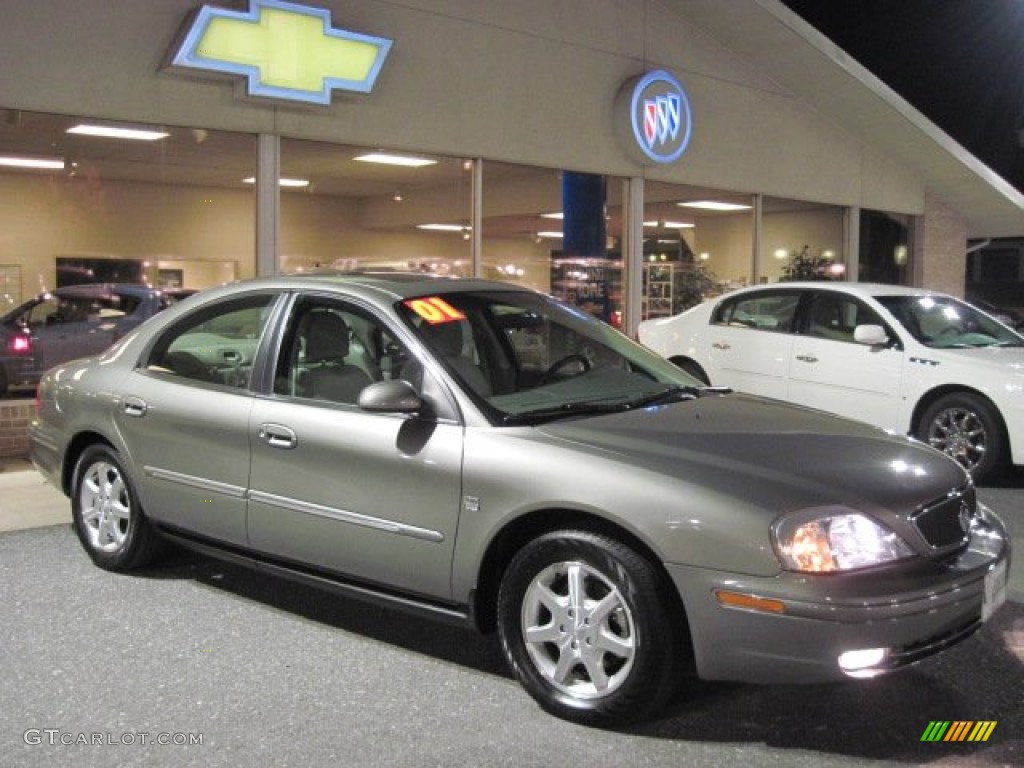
{"x": 581, "y": 408}
{"x": 590, "y": 407}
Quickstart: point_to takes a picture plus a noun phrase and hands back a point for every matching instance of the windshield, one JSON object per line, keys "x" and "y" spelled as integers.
{"x": 527, "y": 358}
{"x": 943, "y": 322}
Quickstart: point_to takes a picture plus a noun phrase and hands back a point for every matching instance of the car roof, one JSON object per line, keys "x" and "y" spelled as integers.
{"x": 856, "y": 289}
{"x": 94, "y": 290}
{"x": 398, "y": 285}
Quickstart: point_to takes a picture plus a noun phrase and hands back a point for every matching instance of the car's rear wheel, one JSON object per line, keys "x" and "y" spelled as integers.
{"x": 588, "y": 629}
{"x": 106, "y": 513}
{"x": 967, "y": 428}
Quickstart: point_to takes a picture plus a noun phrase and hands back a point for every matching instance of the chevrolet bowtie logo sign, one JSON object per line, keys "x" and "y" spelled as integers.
{"x": 283, "y": 50}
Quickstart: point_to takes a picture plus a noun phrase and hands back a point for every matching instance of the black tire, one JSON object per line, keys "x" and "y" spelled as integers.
{"x": 106, "y": 513}
{"x": 3, "y": 381}
{"x": 620, "y": 649}
{"x": 690, "y": 367}
{"x": 969, "y": 429}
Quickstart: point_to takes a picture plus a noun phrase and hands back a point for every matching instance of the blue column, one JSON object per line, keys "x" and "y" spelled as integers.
{"x": 583, "y": 210}
{"x": 583, "y": 275}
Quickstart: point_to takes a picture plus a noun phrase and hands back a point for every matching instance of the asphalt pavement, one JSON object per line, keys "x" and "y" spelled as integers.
{"x": 194, "y": 662}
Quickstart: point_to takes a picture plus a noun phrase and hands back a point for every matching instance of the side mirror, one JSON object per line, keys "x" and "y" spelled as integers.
{"x": 871, "y": 335}
{"x": 395, "y": 396}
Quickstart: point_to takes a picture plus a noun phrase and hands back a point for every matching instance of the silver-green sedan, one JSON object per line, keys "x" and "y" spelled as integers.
{"x": 484, "y": 454}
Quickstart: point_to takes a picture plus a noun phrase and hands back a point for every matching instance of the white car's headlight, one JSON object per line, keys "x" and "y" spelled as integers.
{"x": 829, "y": 539}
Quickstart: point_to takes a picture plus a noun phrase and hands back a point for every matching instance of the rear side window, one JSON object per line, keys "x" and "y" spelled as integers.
{"x": 762, "y": 311}
{"x": 59, "y": 310}
{"x": 216, "y": 345}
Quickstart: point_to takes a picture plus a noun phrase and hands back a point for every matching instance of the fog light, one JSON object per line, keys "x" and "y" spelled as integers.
{"x": 862, "y": 663}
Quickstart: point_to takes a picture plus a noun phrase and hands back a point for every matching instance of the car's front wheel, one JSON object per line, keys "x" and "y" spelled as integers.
{"x": 106, "y": 513}
{"x": 588, "y": 628}
{"x": 967, "y": 428}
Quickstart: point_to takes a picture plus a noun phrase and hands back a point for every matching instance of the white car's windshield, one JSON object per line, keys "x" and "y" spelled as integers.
{"x": 943, "y": 322}
{"x": 528, "y": 358}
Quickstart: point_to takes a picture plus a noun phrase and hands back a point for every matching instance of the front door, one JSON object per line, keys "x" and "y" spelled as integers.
{"x": 829, "y": 370}
{"x": 372, "y": 496}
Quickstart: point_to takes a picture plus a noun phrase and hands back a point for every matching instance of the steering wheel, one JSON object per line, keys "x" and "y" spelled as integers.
{"x": 556, "y": 369}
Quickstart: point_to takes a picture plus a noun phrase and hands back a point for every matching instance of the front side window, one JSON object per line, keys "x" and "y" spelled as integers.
{"x": 835, "y": 317}
{"x": 525, "y": 357}
{"x": 761, "y": 311}
{"x": 214, "y": 345}
{"x": 944, "y": 322}
{"x": 333, "y": 350}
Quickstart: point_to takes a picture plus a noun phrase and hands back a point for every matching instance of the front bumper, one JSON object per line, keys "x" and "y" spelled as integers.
{"x": 907, "y": 612}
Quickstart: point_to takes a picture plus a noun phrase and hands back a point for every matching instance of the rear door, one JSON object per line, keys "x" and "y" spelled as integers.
{"x": 184, "y": 417}
{"x": 750, "y": 340}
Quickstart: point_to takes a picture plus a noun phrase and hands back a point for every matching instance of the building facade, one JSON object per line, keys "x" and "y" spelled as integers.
{"x": 523, "y": 153}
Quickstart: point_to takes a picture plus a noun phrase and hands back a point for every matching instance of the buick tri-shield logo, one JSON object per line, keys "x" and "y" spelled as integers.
{"x": 659, "y": 116}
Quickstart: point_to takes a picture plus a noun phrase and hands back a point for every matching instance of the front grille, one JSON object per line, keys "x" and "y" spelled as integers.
{"x": 946, "y": 523}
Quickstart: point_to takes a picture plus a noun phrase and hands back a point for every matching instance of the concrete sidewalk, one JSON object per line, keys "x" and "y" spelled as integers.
{"x": 28, "y": 501}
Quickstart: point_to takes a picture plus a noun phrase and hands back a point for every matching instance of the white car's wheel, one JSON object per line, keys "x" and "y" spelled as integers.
{"x": 967, "y": 428}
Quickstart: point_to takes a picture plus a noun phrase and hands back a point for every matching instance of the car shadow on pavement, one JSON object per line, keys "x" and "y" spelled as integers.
{"x": 440, "y": 640}
{"x": 880, "y": 719}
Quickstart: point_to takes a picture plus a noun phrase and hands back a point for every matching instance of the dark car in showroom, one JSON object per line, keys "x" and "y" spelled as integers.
{"x": 74, "y": 321}
{"x": 484, "y": 454}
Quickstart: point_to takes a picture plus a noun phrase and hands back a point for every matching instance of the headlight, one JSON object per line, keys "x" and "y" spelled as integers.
{"x": 828, "y": 539}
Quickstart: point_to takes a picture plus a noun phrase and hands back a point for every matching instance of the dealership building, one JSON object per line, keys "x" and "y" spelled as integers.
{"x": 612, "y": 152}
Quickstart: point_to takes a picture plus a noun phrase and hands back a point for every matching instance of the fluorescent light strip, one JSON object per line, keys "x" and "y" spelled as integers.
{"x": 550, "y": 234}
{"x": 444, "y": 227}
{"x": 556, "y": 215}
{"x": 404, "y": 160}
{"x": 670, "y": 224}
{"x": 35, "y": 163}
{"x": 281, "y": 182}
{"x": 714, "y": 205}
{"x": 110, "y": 132}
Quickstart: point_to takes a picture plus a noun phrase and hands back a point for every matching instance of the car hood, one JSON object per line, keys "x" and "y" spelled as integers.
{"x": 1006, "y": 358}
{"x": 783, "y": 455}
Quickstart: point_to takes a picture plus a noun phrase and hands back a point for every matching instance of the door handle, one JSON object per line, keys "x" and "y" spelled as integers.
{"x": 720, "y": 345}
{"x": 278, "y": 436}
{"x": 134, "y": 406}
{"x": 807, "y": 358}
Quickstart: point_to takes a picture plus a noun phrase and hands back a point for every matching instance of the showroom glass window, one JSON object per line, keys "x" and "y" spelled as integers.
{"x": 885, "y": 248}
{"x": 349, "y": 208}
{"x": 124, "y": 202}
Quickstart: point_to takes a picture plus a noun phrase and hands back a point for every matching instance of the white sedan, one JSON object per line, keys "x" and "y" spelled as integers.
{"x": 905, "y": 359}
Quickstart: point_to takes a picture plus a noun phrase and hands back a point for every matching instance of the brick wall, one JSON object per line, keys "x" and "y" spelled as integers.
{"x": 940, "y": 244}
{"x": 15, "y": 416}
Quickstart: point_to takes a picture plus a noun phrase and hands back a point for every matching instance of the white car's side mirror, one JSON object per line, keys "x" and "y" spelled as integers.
{"x": 872, "y": 335}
